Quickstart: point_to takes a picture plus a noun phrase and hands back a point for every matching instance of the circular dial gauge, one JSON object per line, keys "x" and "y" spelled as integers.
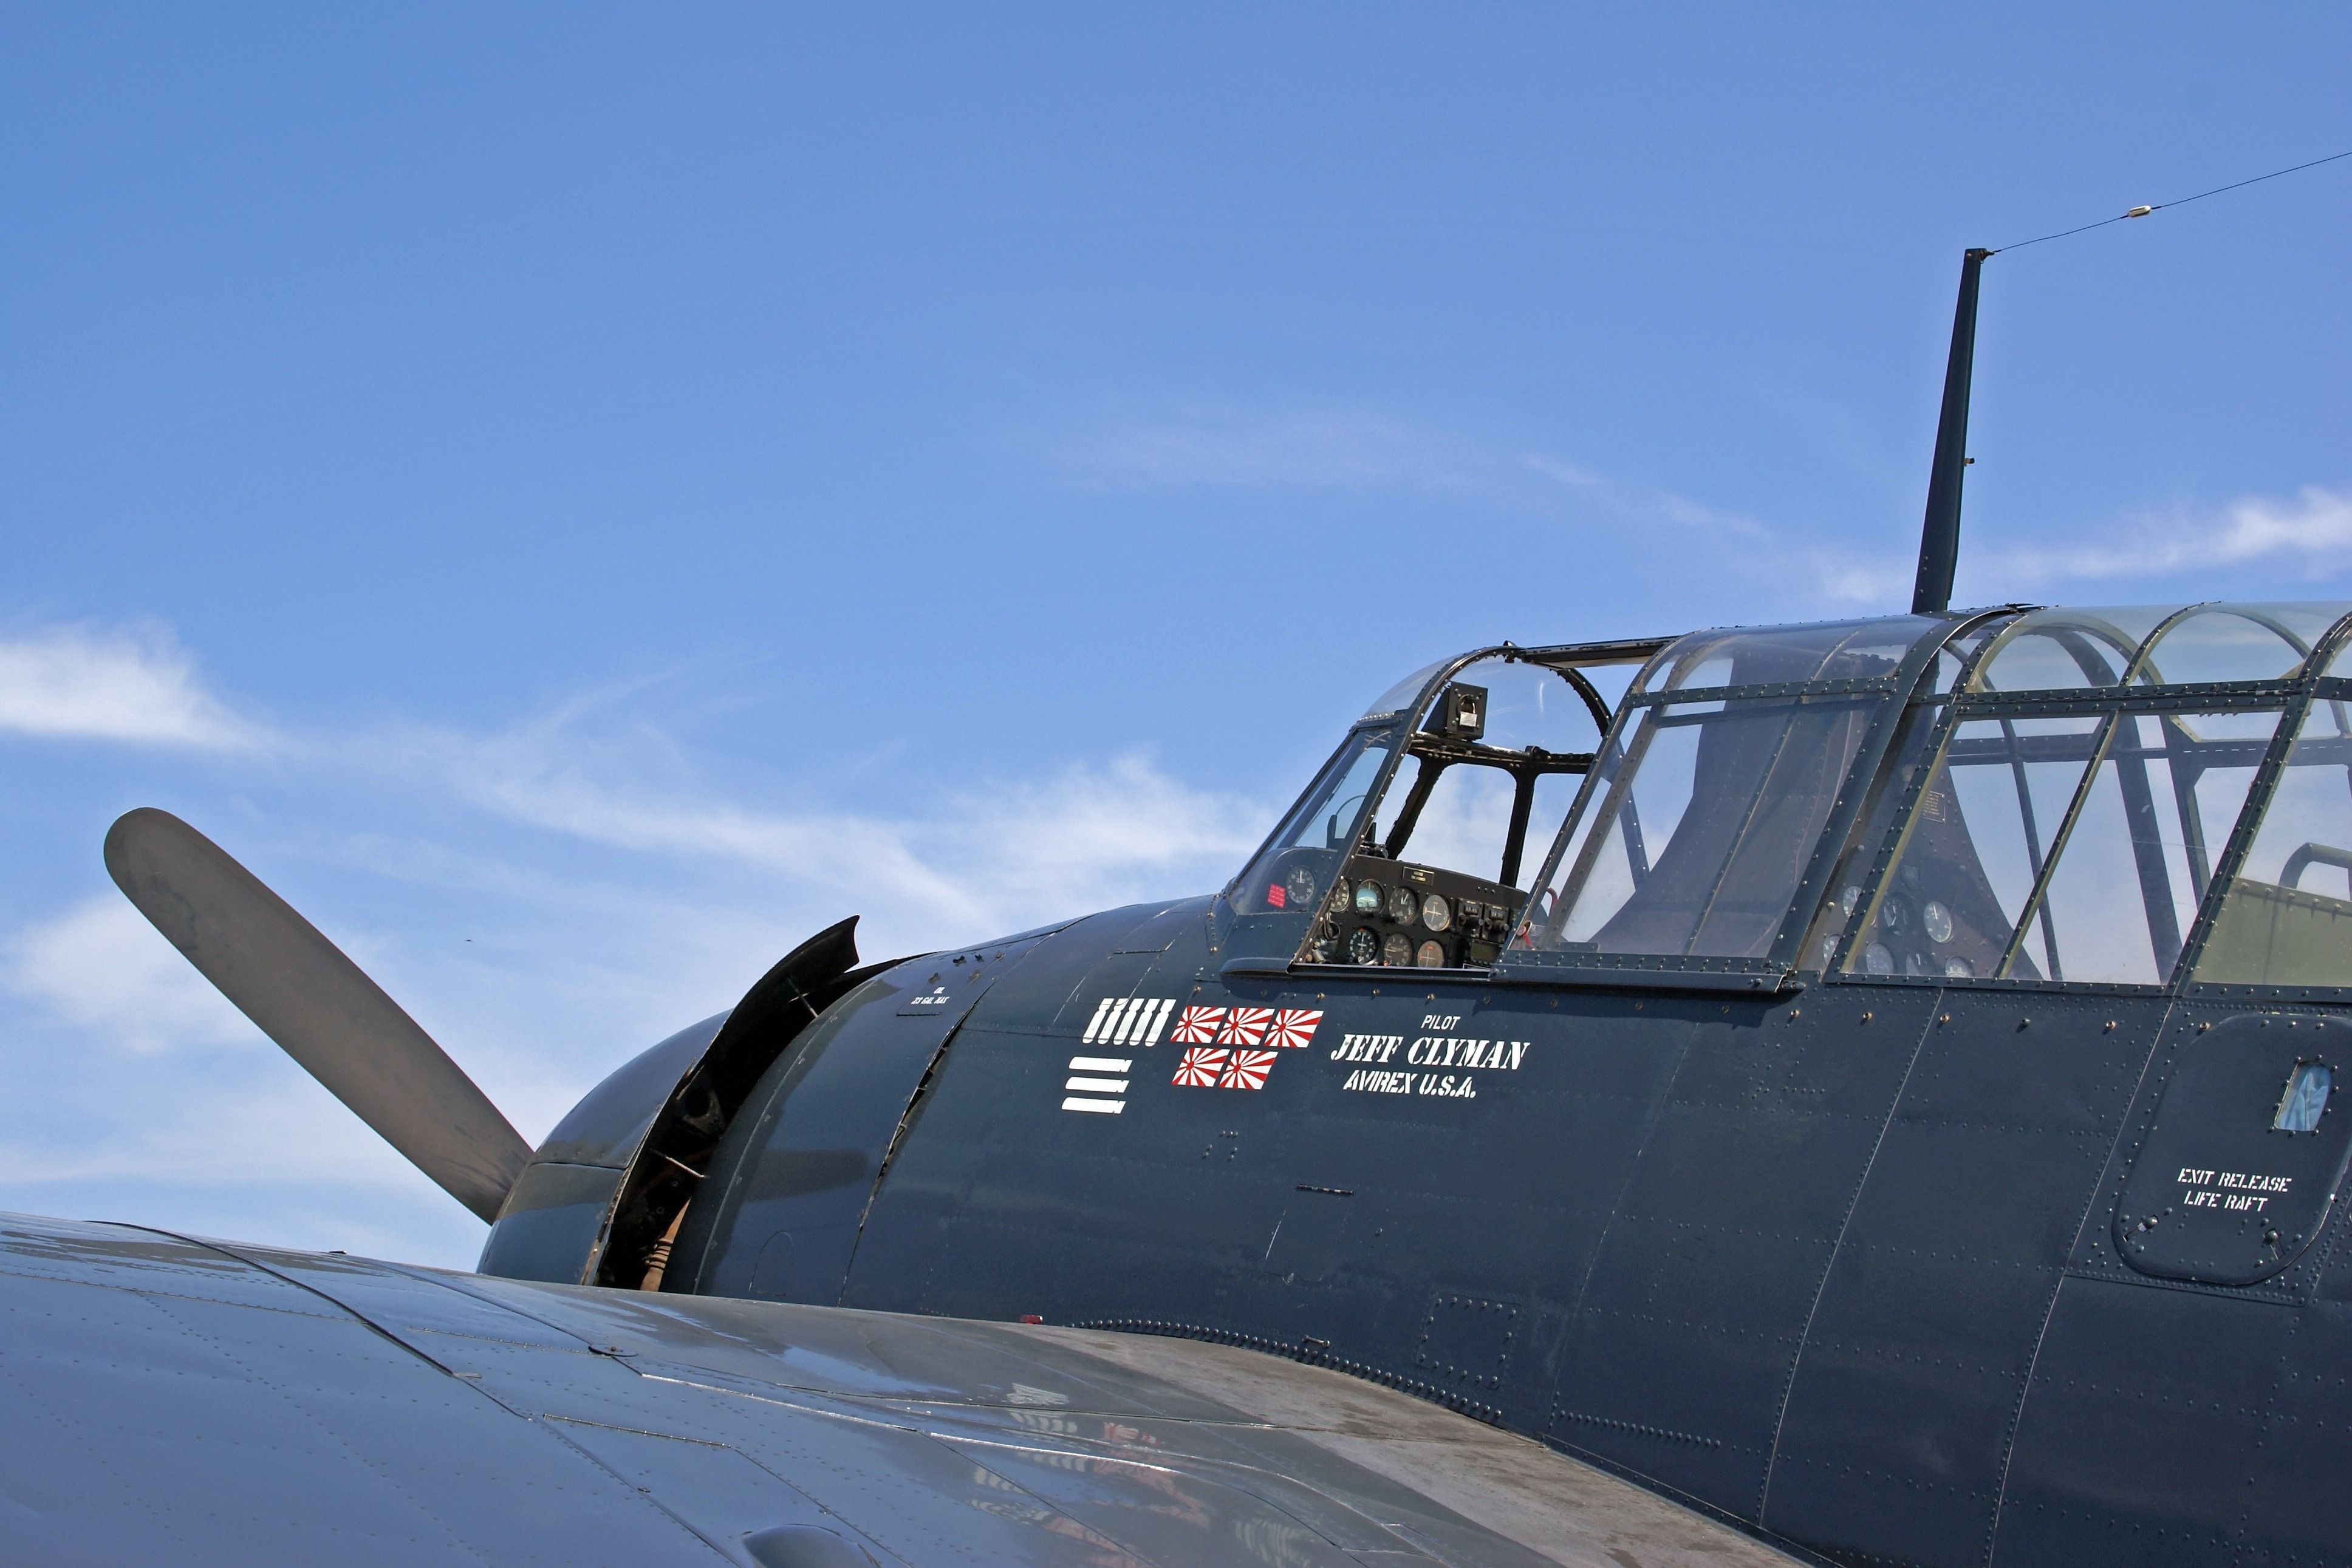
{"x": 1299, "y": 885}
{"x": 1937, "y": 921}
{"x": 1431, "y": 956}
{"x": 1368, "y": 897}
{"x": 1397, "y": 951}
{"x": 1959, "y": 969}
{"x": 1434, "y": 914}
{"x": 1403, "y": 906}
{"x": 1877, "y": 960}
{"x": 1363, "y": 948}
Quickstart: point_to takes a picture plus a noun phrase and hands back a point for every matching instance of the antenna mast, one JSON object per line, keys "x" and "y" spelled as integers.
{"x": 1939, "y": 536}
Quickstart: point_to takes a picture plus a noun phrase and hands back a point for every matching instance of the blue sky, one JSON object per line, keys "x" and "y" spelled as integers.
{"x": 578, "y": 498}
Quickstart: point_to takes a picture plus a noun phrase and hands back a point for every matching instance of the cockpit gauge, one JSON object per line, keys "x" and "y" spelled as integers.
{"x": 1299, "y": 885}
{"x": 1936, "y": 921}
{"x": 1368, "y": 897}
{"x": 1434, "y": 914}
{"x": 1397, "y": 951}
{"x": 1430, "y": 956}
{"x": 1403, "y": 906}
{"x": 1363, "y": 948}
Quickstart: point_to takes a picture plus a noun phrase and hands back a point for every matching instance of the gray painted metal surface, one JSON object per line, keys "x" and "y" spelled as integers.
{"x": 172, "y": 1400}
{"x": 318, "y": 1006}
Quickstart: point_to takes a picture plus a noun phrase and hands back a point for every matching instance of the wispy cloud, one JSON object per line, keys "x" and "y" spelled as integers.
{"x": 978, "y": 861}
{"x": 2308, "y": 536}
{"x": 1339, "y": 449}
{"x": 1311, "y": 449}
{"x": 102, "y": 968}
{"x": 134, "y": 686}
{"x": 178, "y": 1111}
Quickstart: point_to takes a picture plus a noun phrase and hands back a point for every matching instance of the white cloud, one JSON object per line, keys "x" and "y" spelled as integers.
{"x": 1342, "y": 449}
{"x": 102, "y": 968}
{"x": 978, "y": 863}
{"x": 132, "y": 686}
{"x": 2310, "y": 535}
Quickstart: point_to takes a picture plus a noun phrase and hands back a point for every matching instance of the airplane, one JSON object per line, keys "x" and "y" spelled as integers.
{"x": 1855, "y": 1092}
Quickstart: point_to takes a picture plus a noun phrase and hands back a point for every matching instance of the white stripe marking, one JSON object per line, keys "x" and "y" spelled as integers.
{"x": 1113, "y": 1106}
{"x": 1097, "y": 1085}
{"x": 1101, "y": 1063}
{"x": 1136, "y": 1007}
{"x": 1159, "y": 1020}
{"x": 1094, "y": 1030}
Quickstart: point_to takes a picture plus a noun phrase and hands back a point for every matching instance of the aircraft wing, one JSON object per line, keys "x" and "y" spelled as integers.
{"x": 170, "y": 1400}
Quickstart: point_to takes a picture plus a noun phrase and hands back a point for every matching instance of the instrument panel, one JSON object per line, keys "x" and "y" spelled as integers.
{"x": 1396, "y": 914}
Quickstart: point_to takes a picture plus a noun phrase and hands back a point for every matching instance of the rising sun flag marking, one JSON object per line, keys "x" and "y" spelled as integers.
{"x": 1248, "y": 1069}
{"x": 1245, "y": 1026}
{"x": 1293, "y": 1029}
{"x": 1200, "y": 1068}
{"x": 1197, "y": 1026}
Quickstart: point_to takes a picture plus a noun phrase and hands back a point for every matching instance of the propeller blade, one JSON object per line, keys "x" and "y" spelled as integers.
{"x": 316, "y": 1005}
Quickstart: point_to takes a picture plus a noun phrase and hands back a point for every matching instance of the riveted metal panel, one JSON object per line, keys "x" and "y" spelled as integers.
{"x": 1914, "y": 1360}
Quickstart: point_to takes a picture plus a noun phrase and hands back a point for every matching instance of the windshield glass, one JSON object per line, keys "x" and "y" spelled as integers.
{"x": 1300, "y": 861}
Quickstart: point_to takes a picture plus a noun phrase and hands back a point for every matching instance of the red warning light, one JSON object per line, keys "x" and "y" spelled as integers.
{"x": 1031, "y": 1318}
{"x": 1274, "y": 897}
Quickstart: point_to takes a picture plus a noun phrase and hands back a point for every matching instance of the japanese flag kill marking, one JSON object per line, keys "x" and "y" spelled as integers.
{"x": 1248, "y": 1069}
{"x": 1200, "y": 1068}
{"x": 1245, "y": 1026}
{"x": 1293, "y": 1029}
{"x": 1197, "y": 1026}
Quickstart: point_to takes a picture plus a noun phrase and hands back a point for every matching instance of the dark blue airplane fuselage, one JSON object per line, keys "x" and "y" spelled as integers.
{"x": 1896, "y": 1268}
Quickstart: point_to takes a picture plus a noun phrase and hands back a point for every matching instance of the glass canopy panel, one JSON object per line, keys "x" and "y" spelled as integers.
{"x": 2286, "y": 919}
{"x": 2120, "y": 883}
{"x": 2239, "y": 643}
{"x": 1695, "y": 842}
{"x": 1455, "y": 806}
{"x": 1299, "y": 862}
{"x": 1401, "y": 695}
{"x": 1979, "y": 837}
{"x": 1825, "y": 651}
{"x": 2068, "y": 649}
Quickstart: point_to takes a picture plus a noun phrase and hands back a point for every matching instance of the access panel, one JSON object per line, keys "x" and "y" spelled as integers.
{"x": 2242, "y": 1164}
{"x": 787, "y": 1191}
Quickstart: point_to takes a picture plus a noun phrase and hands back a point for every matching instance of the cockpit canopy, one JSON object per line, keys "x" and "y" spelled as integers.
{"x": 2131, "y": 796}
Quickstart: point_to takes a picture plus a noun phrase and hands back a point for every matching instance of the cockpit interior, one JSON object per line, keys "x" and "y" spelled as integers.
{"x": 2138, "y": 796}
